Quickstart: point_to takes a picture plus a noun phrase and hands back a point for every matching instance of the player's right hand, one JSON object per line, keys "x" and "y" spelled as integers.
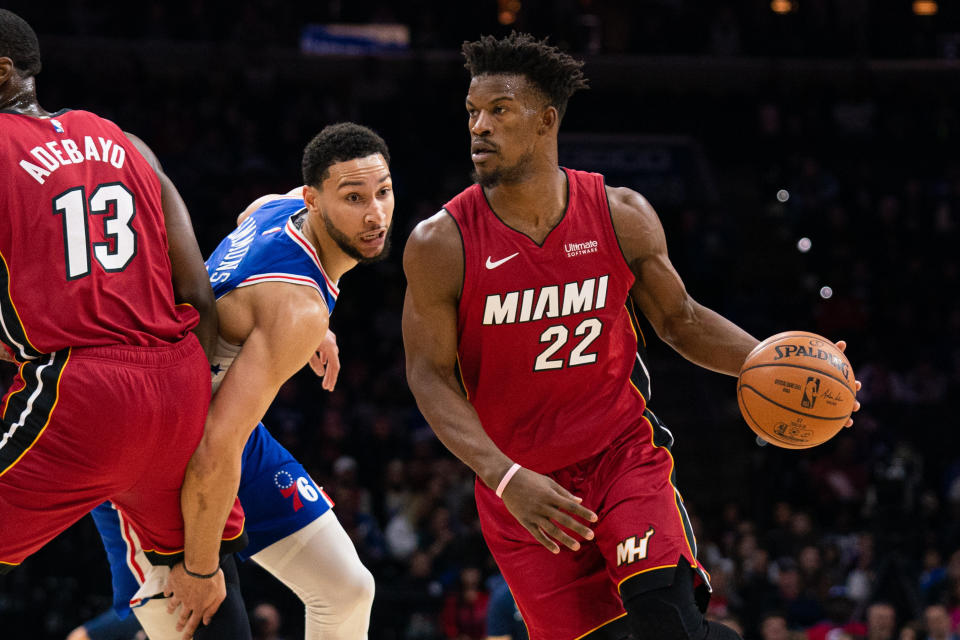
{"x": 197, "y": 598}
{"x": 325, "y": 361}
{"x": 547, "y": 510}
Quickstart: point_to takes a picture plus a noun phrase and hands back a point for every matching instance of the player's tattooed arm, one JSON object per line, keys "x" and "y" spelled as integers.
{"x": 433, "y": 263}
{"x": 191, "y": 284}
{"x": 696, "y": 332}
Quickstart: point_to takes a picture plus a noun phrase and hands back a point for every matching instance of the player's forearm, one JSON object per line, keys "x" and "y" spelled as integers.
{"x": 208, "y": 493}
{"x": 456, "y": 423}
{"x": 208, "y": 326}
{"x": 706, "y": 338}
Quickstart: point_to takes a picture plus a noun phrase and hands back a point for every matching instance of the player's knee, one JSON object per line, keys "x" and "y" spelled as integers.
{"x": 670, "y": 613}
{"x": 359, "y": 589}
{"x": 660, "y": 614}
{"x": 652, "y": 615}
{"x": 354, "y": 589}
{"x": 80, "y": 633}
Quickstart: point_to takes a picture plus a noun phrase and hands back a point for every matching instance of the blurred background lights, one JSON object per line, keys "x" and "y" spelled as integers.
{"x": 508, "y": 10}
{"x": 804, "y": 244}
{"x": 826, "y": 293}
{"x": 925, "y": 7}
{"x": 782, "y": 6}
{"x": 783, "y": 195}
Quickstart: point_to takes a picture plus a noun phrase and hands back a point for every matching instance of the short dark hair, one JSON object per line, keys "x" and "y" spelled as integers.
{"x": 551, "y": 71}
{"x": 338, "y": 143}
{"x": 19, "y": 43}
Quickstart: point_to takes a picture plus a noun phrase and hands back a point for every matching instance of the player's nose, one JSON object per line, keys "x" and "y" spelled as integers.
{"x": 376, "y": 215}
{"x": 482, "y": 124}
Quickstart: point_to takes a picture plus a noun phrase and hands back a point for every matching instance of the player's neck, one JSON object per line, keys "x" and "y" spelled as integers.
{"x": 534, "y": 205}
{"x": 21, "y": 97}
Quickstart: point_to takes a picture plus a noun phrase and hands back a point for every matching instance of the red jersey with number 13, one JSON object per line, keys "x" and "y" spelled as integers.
{"x": 83, "y": 243}
{"x": 548, "y": 346}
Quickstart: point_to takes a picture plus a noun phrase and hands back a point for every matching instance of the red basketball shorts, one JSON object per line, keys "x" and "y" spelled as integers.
{"x": 642, "y": 532}
{"x": 103, "y": 423}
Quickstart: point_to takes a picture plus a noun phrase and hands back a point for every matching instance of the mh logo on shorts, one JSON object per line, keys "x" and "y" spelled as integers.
{"x": 633, "y": 548}
{"x": 302, "y": 487}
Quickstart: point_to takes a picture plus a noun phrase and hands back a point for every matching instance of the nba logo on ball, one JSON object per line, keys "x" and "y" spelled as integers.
{"x": 810, "y": 392}
{"x": 796, "y": 390}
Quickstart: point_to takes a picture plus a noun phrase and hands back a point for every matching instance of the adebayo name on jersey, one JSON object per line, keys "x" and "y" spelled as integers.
{"x": 551, "y": 301}
{"x": 58, "y": 153}
{"x": 812, "y": 351}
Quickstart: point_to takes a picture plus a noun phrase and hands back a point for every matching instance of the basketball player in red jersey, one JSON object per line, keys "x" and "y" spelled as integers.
{"x": 101, "y": 283}
{"x": 521, "y": 350}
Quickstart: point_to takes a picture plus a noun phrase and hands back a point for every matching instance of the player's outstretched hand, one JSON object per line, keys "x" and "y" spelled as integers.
{"x": 547, "y": 510}
{"x": 842, "y": 345}
{"x": 198, "y": 598}
{"x": 325, "y": 361}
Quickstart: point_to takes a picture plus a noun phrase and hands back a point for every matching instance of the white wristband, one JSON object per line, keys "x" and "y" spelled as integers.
{"x": 506, "y": 478}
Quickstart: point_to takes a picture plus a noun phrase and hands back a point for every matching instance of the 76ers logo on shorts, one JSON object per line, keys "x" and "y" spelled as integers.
{"x": 302, "y": 487}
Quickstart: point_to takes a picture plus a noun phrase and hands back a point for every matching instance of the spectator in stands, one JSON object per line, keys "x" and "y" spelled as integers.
{"x": 881, "y": 621}
{"x": 465, "y": 609}
{"x": 938, "y": 624}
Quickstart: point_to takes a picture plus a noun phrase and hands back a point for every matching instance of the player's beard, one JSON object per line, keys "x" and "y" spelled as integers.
{"x": 506, "y": 175}
{"x": 343, "y": 241}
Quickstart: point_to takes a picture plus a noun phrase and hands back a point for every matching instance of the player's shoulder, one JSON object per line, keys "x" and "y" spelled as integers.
{"x": 439, "y": 232}
{"x": 282, "y": 303}
{"x": 629, "y": 200}
{"x": 630, "y": 209}
{"x": 434, "y": 253}
{"x": 290, "y": 198}
{"x": 635, "y": 223}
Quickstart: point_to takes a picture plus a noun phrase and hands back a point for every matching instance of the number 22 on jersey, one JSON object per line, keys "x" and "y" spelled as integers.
{"x": 113, "y": 201}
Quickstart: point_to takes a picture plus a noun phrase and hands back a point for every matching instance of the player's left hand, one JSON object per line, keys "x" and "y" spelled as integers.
{"x": 197, "y": 598}
{"x": 325, "y": 361}
{"x": 842, "y": 345}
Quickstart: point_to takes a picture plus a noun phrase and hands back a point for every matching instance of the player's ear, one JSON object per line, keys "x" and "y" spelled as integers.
{"x": 7, "y": 69}
{"x": 549, "y": 118}
{"x": 311, "y": 197}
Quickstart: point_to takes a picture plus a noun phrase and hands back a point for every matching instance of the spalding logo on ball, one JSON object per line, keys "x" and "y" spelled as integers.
{"x": 796, "y": 390}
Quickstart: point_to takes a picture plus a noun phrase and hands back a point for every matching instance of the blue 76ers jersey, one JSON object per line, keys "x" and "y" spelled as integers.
{"x": 269, "y": 247}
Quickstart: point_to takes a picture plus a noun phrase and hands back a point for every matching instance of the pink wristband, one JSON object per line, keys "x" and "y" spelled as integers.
{"x": 506, "y": 478}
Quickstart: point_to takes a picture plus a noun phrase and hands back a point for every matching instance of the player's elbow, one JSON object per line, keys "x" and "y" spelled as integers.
{"x": 424, "y": 381}
{"x": 681, "y": 325}
{"x": 217, "y": 454}
{"x": 416, "y": 377}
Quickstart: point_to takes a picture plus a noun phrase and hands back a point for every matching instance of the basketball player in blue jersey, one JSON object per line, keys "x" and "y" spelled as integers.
{"x": 275, "y": 279}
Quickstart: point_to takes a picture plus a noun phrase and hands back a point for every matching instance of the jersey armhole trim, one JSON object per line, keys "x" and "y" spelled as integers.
{"x": 463, "y": 255}
{"x": 287, "y": 278}
{"x": 613, "y": 227}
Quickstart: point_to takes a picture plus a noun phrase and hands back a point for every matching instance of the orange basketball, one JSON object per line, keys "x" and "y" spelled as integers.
{"x": 796, "y": 390}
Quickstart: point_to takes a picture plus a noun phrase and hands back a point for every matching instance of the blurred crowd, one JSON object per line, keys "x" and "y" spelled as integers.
{"x": 811, "y": 28}
{"x": 858, "y": 538}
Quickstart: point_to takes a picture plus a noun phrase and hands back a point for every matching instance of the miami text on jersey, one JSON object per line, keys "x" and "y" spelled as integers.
{"x": 552, "y": 301}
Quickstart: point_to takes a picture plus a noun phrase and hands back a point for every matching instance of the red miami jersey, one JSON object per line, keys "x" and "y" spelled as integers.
{"x": 548, "y": 342}
{"x": 83, "y": 247}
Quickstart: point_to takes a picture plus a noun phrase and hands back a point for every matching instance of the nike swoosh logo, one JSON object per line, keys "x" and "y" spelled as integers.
{"x": 493, "y": 265}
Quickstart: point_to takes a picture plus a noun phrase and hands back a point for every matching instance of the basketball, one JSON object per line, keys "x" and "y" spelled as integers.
{"x": 796, "y": 390}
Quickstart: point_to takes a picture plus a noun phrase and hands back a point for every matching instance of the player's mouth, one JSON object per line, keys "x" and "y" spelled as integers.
{"x": 373, "y": 238}
{"x": 480, "y": 151}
